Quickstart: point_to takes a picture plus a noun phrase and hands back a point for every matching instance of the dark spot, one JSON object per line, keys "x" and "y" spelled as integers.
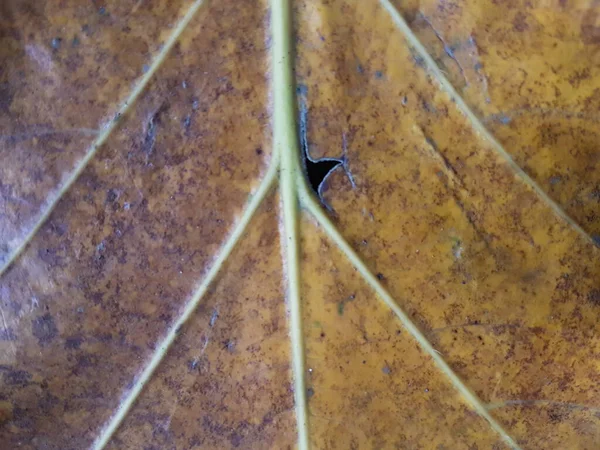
{"x": 594, "y": 297}
{"x": 301, "y": 89}
{"x": 520, "y": 22}
{"x": 44, "y": 329}
{"x": 75, "y": 42}
{"x": 359, "y": 68}
{"x": 380, "y": 276}
{"x": 596, "y": 239}
{"x": 236, "y": 439}
{"x": 557, "y": 414}
{"x": 56, "y": 43}
{"x": 310, "y": 392}
{"x": 378, "y": 74}
{"x": 102, "y": 11}
{"x": 322, "y": 334}
{"x": 111, "y": 196}
{"x": 73, "y": 342}
{"x": 259, "y": 151}
{"x": 19, "y": 378}
{"x": 229, "y": 345}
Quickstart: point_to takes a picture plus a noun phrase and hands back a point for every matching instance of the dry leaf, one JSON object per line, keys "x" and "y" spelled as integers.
{"x": 169, "y": 279}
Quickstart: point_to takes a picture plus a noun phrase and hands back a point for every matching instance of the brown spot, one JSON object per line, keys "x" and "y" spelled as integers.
{"x": 590, "y": 32}
{"x": 520, "y": 22}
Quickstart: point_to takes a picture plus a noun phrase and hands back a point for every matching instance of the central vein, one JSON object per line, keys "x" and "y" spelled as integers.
{"x": 285, "y": 143}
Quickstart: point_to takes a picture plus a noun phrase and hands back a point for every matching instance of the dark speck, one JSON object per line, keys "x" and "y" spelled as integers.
{"x": 379, "y": 74}
{"x": 56, "y": 43}
{"x": 17, "y": 378}
{"x": 310, "y": 392}
{"x": 259, "y": 151}
{"x": 102, "y": 11}
{"x": 111, "y": 196}
{"x": 555, "y": 180}
{"x": 380, "y": 276}
{"x": 594, "y": 297}
{"x": 596, "y": 239}
{"x": 73, "y": 342}
{"x": 44, "y": 329}
{"x": 359, "y": 68}
{"x": 301, "y": 89}
{"x": 322, "y": 38}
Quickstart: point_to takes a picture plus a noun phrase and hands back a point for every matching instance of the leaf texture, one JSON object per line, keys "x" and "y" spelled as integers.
{"x": 169, "y": 280}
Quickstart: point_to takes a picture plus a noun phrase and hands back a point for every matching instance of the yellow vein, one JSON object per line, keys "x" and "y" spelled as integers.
{"x": 104, "y": 134}
{"x": 313, "y": 207}
{"x": 163, "y": 347}
{"x": 475, "y": 122}
{"x": 286, "y": 144}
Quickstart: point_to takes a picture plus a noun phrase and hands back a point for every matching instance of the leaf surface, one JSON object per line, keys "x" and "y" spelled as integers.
{"x": 169, "y": 280}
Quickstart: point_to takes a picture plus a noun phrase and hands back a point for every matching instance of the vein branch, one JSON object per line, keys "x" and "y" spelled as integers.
{"x": 311, "y": 205}
{"x": 163, "y": 347}
{"x": 101, "y": 137}
{"x": 476, "y": 123}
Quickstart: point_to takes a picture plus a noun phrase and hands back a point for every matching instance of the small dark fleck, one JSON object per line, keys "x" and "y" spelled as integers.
{"x": 378, "y": 74}
{"x": 596, "y": 239}
{"x": 178, "y": 330}
{"x": 44, "y": 329}
{"x": 405, "y": 100}
{"x": 301, "y": 89}
{"x": 17, "y": 378}
{"x": 380, "y": 276}
{"x": 75, "y": 42}
{"x": 102, "y": 11}
{"x": 111, "y": 196}
{"x": 117, "y": 117}
{"x": 322, "y": 334}
{"x": 364, "y": 362}
{"x": 322, "y": 38}
{"x": 555, "y": 180}
{"x": 359, "y": 68}
{"x": 594, "y": 297}
{"x": 73, "y": 342}
{"x": 310, "y": 392}
{"x": 56, "y": 43}
{"x": 259, "y": 151}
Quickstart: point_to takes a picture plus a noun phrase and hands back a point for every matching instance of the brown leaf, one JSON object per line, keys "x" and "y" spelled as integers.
{"x": 438, "y": 289}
